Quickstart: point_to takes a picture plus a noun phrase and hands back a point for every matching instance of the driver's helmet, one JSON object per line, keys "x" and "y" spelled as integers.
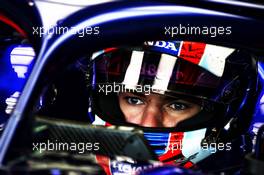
{"x": 184, "y": 95}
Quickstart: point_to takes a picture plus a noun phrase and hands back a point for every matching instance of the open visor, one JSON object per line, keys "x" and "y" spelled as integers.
{"x": 147, "y": 71}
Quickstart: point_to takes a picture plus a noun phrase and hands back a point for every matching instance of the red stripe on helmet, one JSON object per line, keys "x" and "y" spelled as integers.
{"x": 188, "y": 165}
{"x": 174, "y": 148}
{"x": 192, "y": 51}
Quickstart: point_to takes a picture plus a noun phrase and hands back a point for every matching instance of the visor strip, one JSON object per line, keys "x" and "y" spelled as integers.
{"x": 133, "y": 70}
{"x": 164, "y": 72}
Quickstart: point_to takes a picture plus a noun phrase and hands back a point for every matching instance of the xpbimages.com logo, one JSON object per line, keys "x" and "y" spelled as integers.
{"x": 80, "y": 147}
{"x": 124, "y": 88}
{"x": 212, "y": 31}
{"x": 62, "y": 30}
{"x": 211, "y": 147}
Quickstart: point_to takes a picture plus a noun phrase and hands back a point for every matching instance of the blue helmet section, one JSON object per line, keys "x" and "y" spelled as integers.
{"x": 158, "y": 141}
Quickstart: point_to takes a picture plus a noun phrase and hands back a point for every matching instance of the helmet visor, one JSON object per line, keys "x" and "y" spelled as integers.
{"x": 146, "y": 72}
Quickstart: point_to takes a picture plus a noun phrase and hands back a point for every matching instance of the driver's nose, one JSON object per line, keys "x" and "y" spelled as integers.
{"x": 152, "y": 116}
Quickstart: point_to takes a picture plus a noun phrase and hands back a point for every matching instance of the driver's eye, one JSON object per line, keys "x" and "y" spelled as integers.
{"x": 177, "y": 106}
{"x": 134, "y": 100}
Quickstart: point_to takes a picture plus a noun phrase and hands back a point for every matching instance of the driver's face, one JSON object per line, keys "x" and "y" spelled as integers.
{"x": 155, "y": 110}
